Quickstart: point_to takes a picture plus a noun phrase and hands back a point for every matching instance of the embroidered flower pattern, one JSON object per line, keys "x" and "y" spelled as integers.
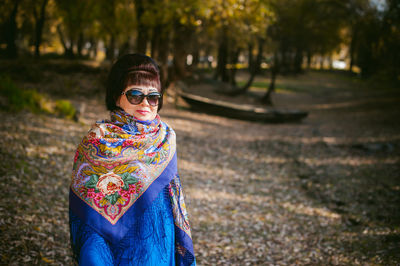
{"x": 109, "y": 183}
{"x": 109, "y": 187}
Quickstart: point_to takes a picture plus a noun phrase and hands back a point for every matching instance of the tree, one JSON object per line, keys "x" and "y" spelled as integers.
{"x": 301, "y": 28}
{"x": 355, "y": 10}
{"x": 76, "y": 16}
{"x": 9, "y": 28}
{"x": 172, "y": 25}
{"x": 39, "y": 14}
{"x": 239, "y": 24}
{"x": 142, "y": 31}
{"x": 377, "y": 38}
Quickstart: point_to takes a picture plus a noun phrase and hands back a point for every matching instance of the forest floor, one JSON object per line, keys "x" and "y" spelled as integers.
{"x": 323, "y": 191}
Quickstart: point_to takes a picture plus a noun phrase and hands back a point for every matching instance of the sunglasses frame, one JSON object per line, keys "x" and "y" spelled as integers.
{"x": 142, "y": 96}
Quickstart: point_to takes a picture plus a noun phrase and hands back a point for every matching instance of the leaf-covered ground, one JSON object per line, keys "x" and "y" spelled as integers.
{"x": 323, "y": 191}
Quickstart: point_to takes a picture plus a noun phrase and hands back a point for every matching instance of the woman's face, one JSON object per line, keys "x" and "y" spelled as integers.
{"x": 142, "y": 111}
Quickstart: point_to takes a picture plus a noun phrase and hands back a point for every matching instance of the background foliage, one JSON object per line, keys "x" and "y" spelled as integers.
{"x": 297, "y": 33}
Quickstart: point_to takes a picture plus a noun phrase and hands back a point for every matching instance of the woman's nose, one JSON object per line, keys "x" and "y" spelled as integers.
{"x": 145, "y": 102}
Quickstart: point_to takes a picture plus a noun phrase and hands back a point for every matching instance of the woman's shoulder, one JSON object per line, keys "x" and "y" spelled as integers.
{"x": 101, "y": 129}
{"x": 166, "y": 125}
{"x": 168, "y": 132}
{"x": 96, "y": 130}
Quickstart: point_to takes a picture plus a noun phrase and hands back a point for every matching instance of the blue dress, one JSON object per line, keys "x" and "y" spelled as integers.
{"x": 150, "y": 241}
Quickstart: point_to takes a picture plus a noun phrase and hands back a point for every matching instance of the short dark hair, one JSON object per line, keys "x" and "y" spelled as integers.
{"x": 132, "y": 69}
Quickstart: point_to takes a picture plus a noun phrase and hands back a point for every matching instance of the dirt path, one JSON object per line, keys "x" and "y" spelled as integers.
{"x": 324, "y": 191}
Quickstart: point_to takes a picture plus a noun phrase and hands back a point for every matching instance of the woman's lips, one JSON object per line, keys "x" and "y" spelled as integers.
{"x": 142, "y": 112}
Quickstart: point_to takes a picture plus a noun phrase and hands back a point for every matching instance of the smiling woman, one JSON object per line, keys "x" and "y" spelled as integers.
{"x": 126, "y": 200}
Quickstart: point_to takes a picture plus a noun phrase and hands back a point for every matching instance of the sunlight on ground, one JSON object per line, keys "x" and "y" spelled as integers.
{"x": 351, "y": 161}
{"x": 217, "y": 196}
{"x": 206, "y": 172}
{"x": 303, "y": 209}
{"x": 345, "y": 140}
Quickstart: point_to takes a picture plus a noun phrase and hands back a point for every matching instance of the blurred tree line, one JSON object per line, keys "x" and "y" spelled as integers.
{"x": 286, "y": 35}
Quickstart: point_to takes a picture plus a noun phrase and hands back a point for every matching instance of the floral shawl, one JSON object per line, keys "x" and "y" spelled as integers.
{"x": 120, "y": 167}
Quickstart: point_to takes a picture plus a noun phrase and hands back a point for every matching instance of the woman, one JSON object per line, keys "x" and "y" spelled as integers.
{"x": 126, "y": 201}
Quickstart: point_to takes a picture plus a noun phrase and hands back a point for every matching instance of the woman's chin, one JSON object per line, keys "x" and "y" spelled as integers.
{"x": 146, "y": 117}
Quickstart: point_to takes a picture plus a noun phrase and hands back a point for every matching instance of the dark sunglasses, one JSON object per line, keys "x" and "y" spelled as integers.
{"x": 136, "y": 97}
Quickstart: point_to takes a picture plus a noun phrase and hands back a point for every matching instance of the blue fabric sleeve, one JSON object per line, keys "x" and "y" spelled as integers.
{"x": 95, "y": 252}
{"x": 88, "y": 247}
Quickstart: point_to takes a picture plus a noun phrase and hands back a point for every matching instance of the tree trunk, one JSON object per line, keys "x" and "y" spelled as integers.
{"x": 62, "y": 38}
{"x": 68, "y": 49}
{"x": 284, "y": 61}
{"x": 308, "y": 59}
{"x": 250, "y": 56}
{"x": 182, "y": 35}
{"x": 222, "y": 59}
{"x": 163, "y": 59}
{"x": 352, "y": 50}
{"x": 80, "y": 44}
{"x": 330, "y": 61}
{"x": 142, "y": 39}
{"x": 298, "y": 61}
{"x": 259, "y": 55}
{"x": 111, "y": 49}
{"x": 267, "y": 97}
{"x": 160, "y": 45}
{"x": 321, "y": 62}
{"x": 142, "y": 35}
{"x": 124, "y": 48}
{"x": 93, "y": 48}
{"x": 234, "y": 58}
{"x": 253, "y": 69}
{"x": 39, "y": 21}
{"x": 69, "y": 53}
{"x": 196, "y": 58}
{"x": 274, "y": 72}
{"x": 11, "y": 32}
{"x": 156, "y": 40}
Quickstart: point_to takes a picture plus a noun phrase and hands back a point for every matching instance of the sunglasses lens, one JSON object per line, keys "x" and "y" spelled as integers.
{"x": 134, "y": 97}
{"x": 153, "y": 99}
